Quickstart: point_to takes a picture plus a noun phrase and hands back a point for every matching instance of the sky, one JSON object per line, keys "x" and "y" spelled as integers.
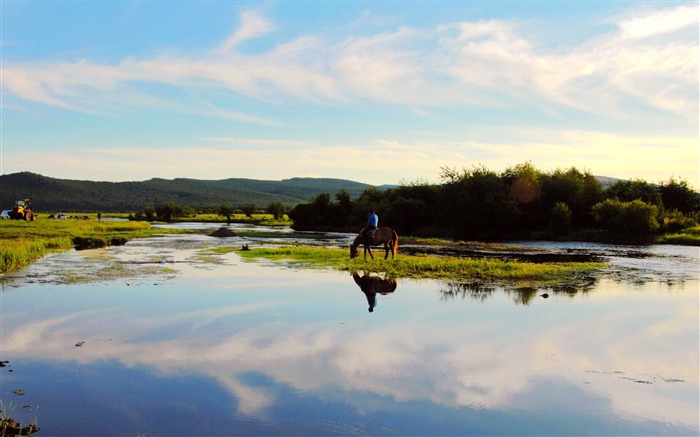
{"x": 380, "y": 92}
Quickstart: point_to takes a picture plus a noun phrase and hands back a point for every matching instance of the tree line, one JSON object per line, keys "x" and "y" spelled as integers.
{"x": 521, "y": 202}
{"x": 171, "y": 212}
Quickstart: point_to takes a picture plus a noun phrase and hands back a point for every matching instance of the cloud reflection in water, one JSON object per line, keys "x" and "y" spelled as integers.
{"x": 634, "y": 350}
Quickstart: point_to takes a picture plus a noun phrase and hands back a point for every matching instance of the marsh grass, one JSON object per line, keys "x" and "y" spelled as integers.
{"x": 10, "y": 427}
{"x": 687, "y": 237}
{"x": 425, "y": 266}
{"x": 22, "y": 242}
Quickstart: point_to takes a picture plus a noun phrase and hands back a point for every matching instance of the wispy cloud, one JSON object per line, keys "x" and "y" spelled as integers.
{"x": 465, "y": 63}
{"x": 253, "y": 25}
{"x": 660, "y": 22}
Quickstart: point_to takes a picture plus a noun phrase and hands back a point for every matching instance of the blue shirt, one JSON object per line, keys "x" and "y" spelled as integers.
{"x": 373, "y": 220}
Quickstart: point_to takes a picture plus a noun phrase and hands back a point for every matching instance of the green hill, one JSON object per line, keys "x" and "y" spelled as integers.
{"x": 51, "y": 195}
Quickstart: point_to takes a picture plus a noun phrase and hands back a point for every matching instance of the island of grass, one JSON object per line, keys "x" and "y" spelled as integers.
{"x": 423, "y": 266}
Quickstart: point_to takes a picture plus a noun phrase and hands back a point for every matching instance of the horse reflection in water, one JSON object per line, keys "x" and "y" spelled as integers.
{"x": 371, "y": 285}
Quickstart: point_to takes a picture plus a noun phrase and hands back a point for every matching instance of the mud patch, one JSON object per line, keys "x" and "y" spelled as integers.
{"x": 223, "y": 233}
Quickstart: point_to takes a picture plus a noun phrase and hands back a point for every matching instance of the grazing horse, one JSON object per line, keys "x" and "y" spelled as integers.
{"x": 380, "y": 236}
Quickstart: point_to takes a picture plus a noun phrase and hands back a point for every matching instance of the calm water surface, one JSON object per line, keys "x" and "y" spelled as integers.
{"x": 196, "y": 344}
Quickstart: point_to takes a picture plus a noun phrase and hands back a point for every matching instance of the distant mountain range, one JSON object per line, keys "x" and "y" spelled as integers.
{"x": 52, "y": 195}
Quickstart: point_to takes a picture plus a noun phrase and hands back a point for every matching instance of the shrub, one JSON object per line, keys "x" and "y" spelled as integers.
{"x": 627, "y": 218}
{"x": 675, "y": 221}
{"x": 560, "y": 220}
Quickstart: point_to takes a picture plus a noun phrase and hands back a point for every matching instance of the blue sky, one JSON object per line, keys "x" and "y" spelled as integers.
{"x": 377, "y": 92}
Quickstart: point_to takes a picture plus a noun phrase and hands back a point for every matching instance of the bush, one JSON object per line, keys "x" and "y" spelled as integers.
{"x": 405, "y": 215}
{"x": 675, "y": 221}
{"x": 560, "y": 220}
{"x": 627, "y": 218}
{"x": 678, "y": 195}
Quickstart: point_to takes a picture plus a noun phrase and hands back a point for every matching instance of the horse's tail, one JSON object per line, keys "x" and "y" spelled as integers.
{"x": 396, "y": 241}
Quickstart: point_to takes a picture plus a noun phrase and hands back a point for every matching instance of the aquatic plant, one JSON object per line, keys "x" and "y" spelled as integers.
{"x": 10, "y": 427}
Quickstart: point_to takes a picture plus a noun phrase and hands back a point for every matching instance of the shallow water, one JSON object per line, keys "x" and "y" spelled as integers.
{"x": 193, "y": 344}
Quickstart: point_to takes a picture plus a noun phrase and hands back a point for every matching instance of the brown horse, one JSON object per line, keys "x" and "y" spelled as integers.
{"x": 381, "y": 236}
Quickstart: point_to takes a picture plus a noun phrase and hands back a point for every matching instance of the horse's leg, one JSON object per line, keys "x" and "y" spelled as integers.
{"x": 368, "y": 249}
{"x": 386, "y": 251}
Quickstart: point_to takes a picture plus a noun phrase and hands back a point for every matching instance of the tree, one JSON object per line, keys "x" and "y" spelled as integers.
{"x": 344, "y": 201}
{"x": 477, "y": 202}
{"x": 371, "y": 198}
{"x": 149, "y": 213}
{"x": 406, "y": 215}
{"x": 276, "y": 209}
{"x": 627, "y": 191}
{"x": 560, "y": 220}
{"x": 321, "y": 213}
{"x": 679, "y": 196}
{"x": 249, "y": 209}
{"x": 635, "y": 218}
{"x": 580, "y": 191}
{"x": 227, "y": 211}
{"x": 171, "y": 212}
{"x": 526, "y": 190}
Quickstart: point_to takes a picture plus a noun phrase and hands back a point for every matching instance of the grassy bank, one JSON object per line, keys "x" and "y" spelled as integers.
{"x": 22, "y": 242}
{"x": 427, "y": 266}
{"x": 257, "y": 219}
{"x": 687, "y": 237}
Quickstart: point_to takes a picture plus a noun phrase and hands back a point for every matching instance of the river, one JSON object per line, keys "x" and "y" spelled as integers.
{"x": 158, "y": 338}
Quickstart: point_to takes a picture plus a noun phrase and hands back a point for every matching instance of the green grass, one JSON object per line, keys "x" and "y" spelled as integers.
{"x": 425, "y": 266}
{"x": 687, "y": 237}
{"x": 258, "y": 219}
{"x": 22, "y": 243}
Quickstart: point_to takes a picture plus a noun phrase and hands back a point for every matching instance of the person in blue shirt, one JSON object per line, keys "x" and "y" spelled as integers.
{"x": 372, "y": 224}
{"x": 373, "y": 220}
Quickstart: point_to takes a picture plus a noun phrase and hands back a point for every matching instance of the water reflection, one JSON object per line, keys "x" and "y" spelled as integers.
{"x": 520, "y": 295}
{"x": 371, "y": 285}
{"x": 259, "y": 349}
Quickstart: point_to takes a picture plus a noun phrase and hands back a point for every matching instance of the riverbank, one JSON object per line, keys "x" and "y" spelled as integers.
{"x": 22, "y": 242}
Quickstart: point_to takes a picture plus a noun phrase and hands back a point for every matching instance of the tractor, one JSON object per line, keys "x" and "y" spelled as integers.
{"x": 22, "y": 210}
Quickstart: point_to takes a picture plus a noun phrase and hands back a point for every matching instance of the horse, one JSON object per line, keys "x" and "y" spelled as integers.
{"x": 380, "y": 236}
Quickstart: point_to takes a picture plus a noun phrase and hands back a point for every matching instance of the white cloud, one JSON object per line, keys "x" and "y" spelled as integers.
{"x": 252, "y": 25}
{"x": 660, "y": 22}
{"x": 446, "y": 361}
{"x": 478, "y": 67}
{"x": 472, "y": 63}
